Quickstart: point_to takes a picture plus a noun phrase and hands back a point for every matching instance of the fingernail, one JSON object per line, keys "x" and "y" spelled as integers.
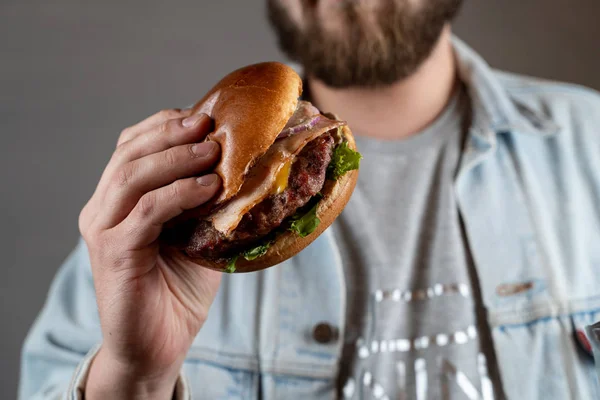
{"x": 204, "y": 149}
{"x": 207, "y": 180}
{"x": 189, "y": 122}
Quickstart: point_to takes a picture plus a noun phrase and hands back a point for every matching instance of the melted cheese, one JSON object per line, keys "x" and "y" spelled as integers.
{"x": 281, "y": 180}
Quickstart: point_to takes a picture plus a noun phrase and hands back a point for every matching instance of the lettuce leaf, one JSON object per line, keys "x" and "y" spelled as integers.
{"x": 250, "y": 254}
{"x": 344, "y": 159}
{"x": 230, "y": 268}
{"x": 305, "y": 224}
{"x": 258, "y": 251}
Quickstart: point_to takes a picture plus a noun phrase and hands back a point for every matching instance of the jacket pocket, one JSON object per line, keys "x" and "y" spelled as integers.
{"x": 547, "y": 357}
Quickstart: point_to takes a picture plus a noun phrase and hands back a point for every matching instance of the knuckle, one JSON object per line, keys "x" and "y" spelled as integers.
{"x": 82, "y": 222}
{"x": 168, "y": 113}
{"x": 89, "y": 233}
{"x": 178, "y": 189}
{"x": 168, "y": 126}
{"x": 123, "y": 175}
{"x": 164, "y": 127}
{"x": 130, "y": 230}
{"x": 121, "y": 151}
{"x": 170, "y": 158}
{"x": 146, "y": 205}
{"x": 125, "y": 135}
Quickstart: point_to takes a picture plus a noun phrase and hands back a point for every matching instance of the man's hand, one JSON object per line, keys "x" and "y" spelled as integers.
{"x": 152, "y": 302}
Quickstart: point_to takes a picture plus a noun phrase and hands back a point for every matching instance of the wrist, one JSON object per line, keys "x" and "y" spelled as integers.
{"x": 109, "y": 378}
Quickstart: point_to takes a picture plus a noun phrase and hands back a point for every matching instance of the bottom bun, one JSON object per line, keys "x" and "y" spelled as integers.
{"x": 336, "y": 195}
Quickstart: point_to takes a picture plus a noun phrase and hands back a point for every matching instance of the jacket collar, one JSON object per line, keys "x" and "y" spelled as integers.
{"x": 494, "y": 110}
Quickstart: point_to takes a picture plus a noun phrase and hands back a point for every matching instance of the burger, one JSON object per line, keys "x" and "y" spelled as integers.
{"x": 287, "y": 170}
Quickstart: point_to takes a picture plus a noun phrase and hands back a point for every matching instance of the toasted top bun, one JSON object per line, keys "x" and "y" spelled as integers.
{"x": 250, "y": 106}
{"x": 335, "y": 197}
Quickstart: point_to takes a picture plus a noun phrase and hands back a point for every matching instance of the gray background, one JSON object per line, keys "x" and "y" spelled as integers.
{"x": 73, "y": 73}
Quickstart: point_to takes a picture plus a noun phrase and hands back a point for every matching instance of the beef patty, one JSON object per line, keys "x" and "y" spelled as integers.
{"x": 307, "y": 177}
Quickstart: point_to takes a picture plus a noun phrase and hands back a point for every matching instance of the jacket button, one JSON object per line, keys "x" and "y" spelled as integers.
{"x": 324, "y": 333}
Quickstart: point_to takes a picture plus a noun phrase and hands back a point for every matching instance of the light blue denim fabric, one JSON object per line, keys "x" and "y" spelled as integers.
{"x": 528, "y": 189}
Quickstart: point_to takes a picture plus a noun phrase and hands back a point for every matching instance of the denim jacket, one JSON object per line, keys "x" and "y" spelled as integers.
{"x": 528, "y": 189}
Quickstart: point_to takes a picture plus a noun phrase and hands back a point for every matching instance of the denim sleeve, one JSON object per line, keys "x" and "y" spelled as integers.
{"x": 65, "y": 337}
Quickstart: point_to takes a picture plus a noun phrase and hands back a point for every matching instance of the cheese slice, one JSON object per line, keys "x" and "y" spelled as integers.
{"x": 268, "y": 176}
{"x": 281, "y": 180}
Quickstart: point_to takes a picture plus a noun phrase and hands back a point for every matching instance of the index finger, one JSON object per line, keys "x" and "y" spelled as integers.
{"x": 160, "y": 117}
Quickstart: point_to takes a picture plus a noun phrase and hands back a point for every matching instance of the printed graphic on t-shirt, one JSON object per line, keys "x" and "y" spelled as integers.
{"x": 435, "y": 365}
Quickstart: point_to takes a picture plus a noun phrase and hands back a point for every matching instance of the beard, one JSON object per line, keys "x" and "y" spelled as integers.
{"x": 378, "y": 49}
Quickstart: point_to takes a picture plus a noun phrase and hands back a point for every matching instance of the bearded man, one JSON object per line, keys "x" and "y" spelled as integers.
{"x": 465, "y": 265}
